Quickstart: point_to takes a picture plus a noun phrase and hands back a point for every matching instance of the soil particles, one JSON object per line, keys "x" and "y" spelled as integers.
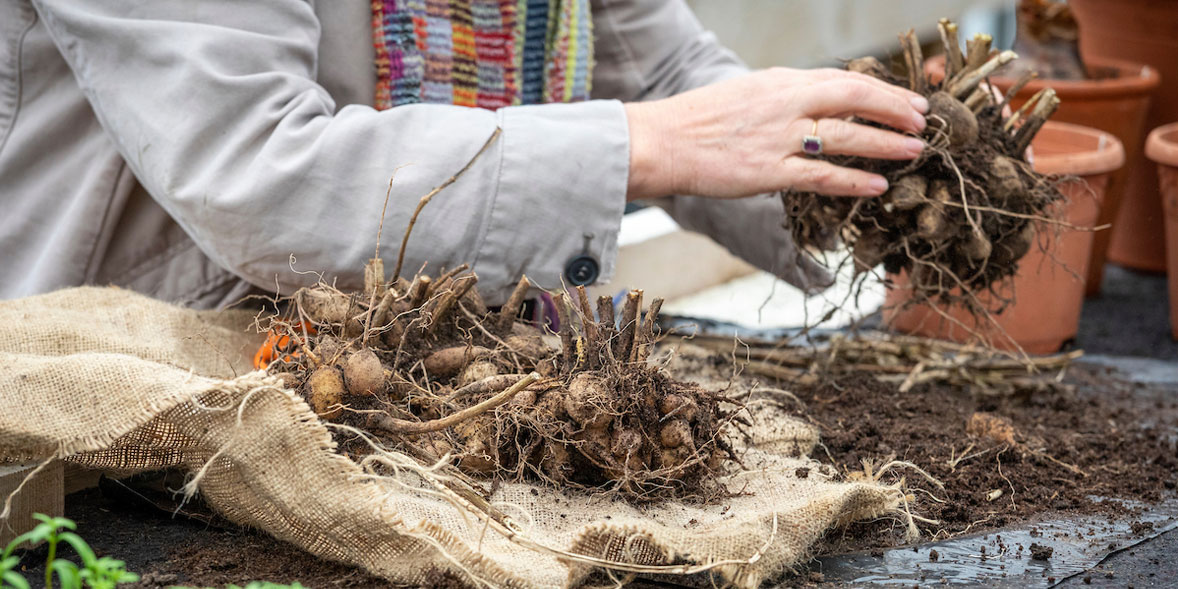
{"x": 1073, "y": 446}
{"x": 1099, "y": 437}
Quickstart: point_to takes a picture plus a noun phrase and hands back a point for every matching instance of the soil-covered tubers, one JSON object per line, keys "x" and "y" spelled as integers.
{"x": 477, "y": 371}
{"x": 947, "y": 114}
{"x": 679, "y": 407}
{"x": 433, "y": 380}
{"x": 977, "y": 246}
{"x": 448, "y": 362}
{"x": 869, "y": 250}
{"x": 1004, "y": 182}
{"x": 323, "y": 306}
{"x": 676, "y": 433}
{"x": 1014, "y": 246}
{"x": 327, "y": 392}
{"x": 364, "y": 374}
{"x": 582, "y": 401}
{"x": 907, "y": 193}
{"x": 930, "y": 222}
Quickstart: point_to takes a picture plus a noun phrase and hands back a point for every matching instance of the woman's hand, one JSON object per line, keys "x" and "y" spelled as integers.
{"x": 744, "y": 136}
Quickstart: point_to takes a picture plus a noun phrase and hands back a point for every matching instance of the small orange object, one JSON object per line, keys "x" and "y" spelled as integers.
{"x": 279, "y": 345}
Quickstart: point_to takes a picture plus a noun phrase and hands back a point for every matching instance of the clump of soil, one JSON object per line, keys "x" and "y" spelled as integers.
{"x": 429, "y": 370}
{"x": 957, "y": 219}
{"x": 1041, "y": 552}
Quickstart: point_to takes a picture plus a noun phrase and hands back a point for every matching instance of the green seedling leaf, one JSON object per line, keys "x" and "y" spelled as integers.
{"x": 67, "y": 573}
{"x": 14, "y": 579}
{"x": 29, "y": 537}
{"x": 57, "y": 523}
{"x": 79, "y": 545}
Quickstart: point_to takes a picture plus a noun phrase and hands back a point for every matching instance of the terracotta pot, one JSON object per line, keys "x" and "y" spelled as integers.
{"x": 1116, "y": 102}
{"x": 1143, "y": 31}
{"x": 1049, "y": 286}
{"x": 1162, "y": 147}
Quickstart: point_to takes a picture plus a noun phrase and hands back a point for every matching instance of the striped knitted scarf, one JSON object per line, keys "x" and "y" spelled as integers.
{"x": 481, "y": 53}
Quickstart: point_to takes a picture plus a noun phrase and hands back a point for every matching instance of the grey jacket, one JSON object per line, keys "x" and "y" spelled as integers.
{"x": 196, "y": 150}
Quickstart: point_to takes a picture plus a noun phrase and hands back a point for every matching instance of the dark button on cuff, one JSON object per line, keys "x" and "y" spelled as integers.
{"x": 582, "y": 270}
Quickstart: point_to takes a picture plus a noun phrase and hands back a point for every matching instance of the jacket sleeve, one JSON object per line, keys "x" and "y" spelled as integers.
{"x": 215, "y": 107}
{"x": 650, "y": 49}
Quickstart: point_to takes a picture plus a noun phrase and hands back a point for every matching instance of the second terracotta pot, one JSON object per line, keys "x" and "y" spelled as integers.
{"x": 1144, "y": 31}
{"x": 1162, "y": 147}
{"x": 1049, "y": 286}
{"x": 1116, "y": 101}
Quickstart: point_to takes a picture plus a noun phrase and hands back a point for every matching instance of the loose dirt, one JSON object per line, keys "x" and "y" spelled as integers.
{"x": 1098, "y": 437}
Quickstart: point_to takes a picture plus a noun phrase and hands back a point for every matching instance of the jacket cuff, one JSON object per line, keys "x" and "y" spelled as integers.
{"x": 752, "y": 229}
{"x": 560, "y": 197}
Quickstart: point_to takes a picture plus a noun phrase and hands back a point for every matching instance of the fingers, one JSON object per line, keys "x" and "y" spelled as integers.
{"x": 838, "y": 98}
{"x": 902, "y": 92}
{"x": 841, "y": 137}
{"x": 826, "y": 178}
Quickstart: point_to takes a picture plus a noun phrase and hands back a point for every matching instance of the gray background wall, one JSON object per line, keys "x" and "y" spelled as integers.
{"x": 807, "y": 33}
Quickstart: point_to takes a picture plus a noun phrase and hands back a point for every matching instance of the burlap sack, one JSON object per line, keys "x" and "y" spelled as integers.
{"x": 111, "y": 379}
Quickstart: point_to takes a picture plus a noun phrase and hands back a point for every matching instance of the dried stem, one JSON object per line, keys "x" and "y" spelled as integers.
{"x": 567, "y": 338}
{"x": 510, "y": 310}
{"x": 970, "y": 80}
{"x": 1038, "y": 117}
{"x": 447, "y": 277}
{"x": 450, "y": 299}
{"x": 425, "y": 199}
{"x": 589, "y": 328}
{"x": 979, "y": 51}
{"x": 625, "y": 342}
{"x": 978, "y": 100}
{"x": 954, "y": 60}
{"x": 914, "y": 60}
{"x": 1018, "y": 86}
{"x": 419, "y": 291}
{"x": 605, "y": 310}
{"x": 649, "y": 331}
{"x": 1022, "y": 110}
{"x": 401, "y": 427}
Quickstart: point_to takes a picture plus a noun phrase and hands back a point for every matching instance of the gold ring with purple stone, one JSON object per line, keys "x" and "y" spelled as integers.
{"x": 812, "y": 143}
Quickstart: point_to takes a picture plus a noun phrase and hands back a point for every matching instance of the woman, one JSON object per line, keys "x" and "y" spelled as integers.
{"x": 199, "y": 150}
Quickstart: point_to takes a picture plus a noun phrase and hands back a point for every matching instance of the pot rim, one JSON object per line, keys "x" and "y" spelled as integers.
{"x": 1162, "y": 145}
{"x": 1108, "y": 156}
{"x": 1133, "y": 79}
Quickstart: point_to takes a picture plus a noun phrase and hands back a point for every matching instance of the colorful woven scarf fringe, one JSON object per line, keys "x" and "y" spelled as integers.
{"x": 482, "y": 53}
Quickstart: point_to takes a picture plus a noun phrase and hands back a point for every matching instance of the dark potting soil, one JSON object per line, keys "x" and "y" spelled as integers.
{"x": 200, "y": 550}
{"x": 1120, "y": 437}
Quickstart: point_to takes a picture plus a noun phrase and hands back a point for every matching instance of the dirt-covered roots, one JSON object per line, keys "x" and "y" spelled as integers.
{"x": 958, "y": 218}
{"x": 428, "y": 368}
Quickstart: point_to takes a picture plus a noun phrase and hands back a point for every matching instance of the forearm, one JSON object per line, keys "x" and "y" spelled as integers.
{"x": 218, "y": 114}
